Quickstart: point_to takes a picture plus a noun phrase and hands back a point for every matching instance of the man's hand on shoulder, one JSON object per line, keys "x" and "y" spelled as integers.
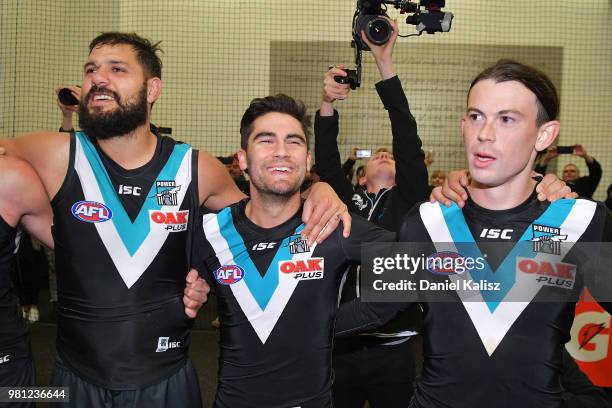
{"x": 553, "y": 189}
{"x": 454, "y": 189}
{"x": 323, "y": 211}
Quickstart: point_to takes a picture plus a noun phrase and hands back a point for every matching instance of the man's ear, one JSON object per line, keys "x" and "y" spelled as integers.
{"x": 154, "y": 87}
{"x": 242, "y": 160}
{"x": 547, "y": 133}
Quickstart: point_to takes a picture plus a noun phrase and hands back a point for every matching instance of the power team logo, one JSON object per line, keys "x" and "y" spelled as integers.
{"x": 547, "y": 240}
{"x": 229, "y": 274}
{"x": 164, "y": 344}
{"x": 307, "y": 269}
{"x": 91, "y": 211}
{"x": 167, "y": 192}
{"x": 172, "y": 221}
{"x": 555, "y": 274}
{"x": 298, "y": 245}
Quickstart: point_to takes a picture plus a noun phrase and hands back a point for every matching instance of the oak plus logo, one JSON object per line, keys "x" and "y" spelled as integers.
{"x": 306, "y": 269}
{"x": 548, "y": 273}
{"x": 171, "y": 221}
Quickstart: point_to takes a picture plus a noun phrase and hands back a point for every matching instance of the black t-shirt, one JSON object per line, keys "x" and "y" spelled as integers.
{"x": 277, "y": 306}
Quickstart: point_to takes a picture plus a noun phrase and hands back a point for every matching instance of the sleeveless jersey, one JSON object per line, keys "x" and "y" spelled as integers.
{"x": 491, "y": 352}
{"x": 13, "y": 331}
{"x": 121, "y": 239}
{"x": 277, "y": 305}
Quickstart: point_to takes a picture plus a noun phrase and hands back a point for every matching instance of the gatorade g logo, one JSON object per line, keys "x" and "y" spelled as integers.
{"x": 303, "y": 269}
{"x": 91, "y": 211}
{"x": 556, "y": 274}
{"x": 171, "y": 221}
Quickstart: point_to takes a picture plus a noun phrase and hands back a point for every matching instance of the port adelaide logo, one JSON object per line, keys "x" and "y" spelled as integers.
{"x": 298, "y": 245}
{"x": 547, "y": 240}
{"x": 229, "y": 274}
{"x": 167, "y": 192}
{"x": 91, "y": 211}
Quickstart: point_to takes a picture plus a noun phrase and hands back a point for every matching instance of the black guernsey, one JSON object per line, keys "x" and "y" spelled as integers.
{"x": 13, "y": 331}
{"x": 121, "y": 261}
{"x": 507, "y": 354}
{"x": 278, "y": 300}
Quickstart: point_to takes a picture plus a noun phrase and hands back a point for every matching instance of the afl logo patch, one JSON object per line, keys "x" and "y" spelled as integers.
{"x": 229, "y": 274}
{"x": 446, "y": 263}
{"x": 91, "y": 211}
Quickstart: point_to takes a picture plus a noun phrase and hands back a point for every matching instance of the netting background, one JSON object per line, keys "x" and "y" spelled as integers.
{"x": 219, "y": 55}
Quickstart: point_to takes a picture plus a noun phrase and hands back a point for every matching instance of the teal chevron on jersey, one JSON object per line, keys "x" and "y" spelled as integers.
{"x": 505, "y": 275}
{"x": 133, "y": 234}
{"x": 261, "y": 287}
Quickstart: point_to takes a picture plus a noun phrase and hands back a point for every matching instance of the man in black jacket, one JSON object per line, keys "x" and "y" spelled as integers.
{"x": 379, "y": 366}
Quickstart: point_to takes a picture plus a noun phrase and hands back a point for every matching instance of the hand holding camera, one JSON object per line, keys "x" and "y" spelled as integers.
{"x": 68, "y": 99}
{"x": 336, "y": 84}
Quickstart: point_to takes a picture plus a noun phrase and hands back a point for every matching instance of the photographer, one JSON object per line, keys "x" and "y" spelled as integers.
{"x": 378, "y": 367}
{"x": 583, "y": 186}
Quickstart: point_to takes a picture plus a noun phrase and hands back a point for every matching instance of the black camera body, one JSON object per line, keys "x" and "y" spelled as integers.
{"x": 66, "y": 97}
{"x": 427, "y": 16}
{"x": 352, "y": 78}
{"x": 369, "y": 18}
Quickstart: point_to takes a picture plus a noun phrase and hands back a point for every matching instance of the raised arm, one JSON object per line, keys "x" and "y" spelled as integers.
{"x": 326, "y": 132}
{"x": 411, "y": 173}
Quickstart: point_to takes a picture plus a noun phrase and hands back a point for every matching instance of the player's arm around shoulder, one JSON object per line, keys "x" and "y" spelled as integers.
{"x": 47, "y": 152}
{"x": 24, "y": 199}
{"x": 216, "y": 188}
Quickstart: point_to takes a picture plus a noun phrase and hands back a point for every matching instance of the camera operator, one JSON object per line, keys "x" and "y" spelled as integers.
{"x": 583, "y": 186}
{"x": 378, "y": 367}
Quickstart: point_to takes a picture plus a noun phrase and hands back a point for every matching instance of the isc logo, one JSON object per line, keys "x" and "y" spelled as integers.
{"x": 557, "y": 274}
{"x": 173, "y": 221}
{"x": 4, "y": 359}
{"x": 229, "y": 274}
{"x": 91, "y": 211}
{"x": 303, "y": 269}
{"x": 164, "y": 344}
{"x": 263, "y": 245}
{"x": 496, "y": 233}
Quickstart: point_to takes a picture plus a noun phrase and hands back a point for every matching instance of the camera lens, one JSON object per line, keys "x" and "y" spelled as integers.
{"x": 378, "y": 30}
